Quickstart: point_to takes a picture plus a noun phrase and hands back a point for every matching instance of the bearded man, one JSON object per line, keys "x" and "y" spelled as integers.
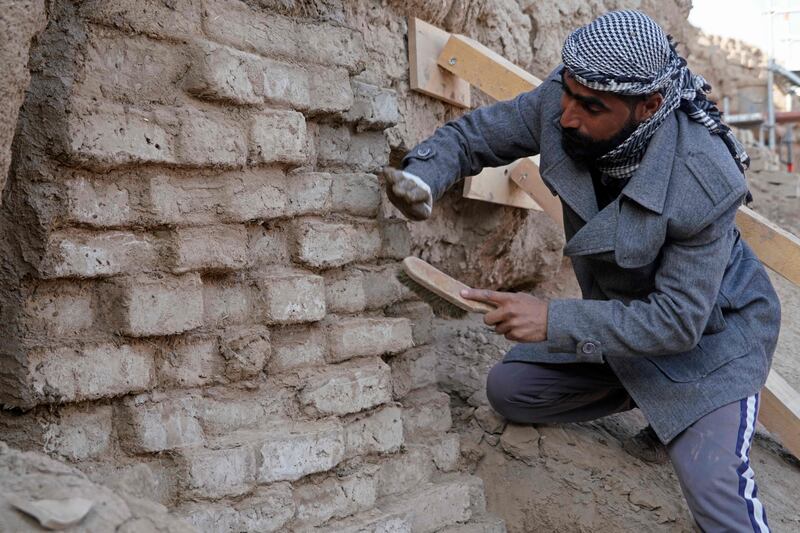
{"x": 678, "y": 316}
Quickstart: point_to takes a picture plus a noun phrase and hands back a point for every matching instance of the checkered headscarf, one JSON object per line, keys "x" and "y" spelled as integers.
{"x": 627, "y": 53}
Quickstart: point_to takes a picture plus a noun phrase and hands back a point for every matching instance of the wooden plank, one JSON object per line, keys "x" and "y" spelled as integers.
{"x": 780, "y": 412}
{"x": 425, "y": 43}
{"x": 774, "y": 246}
{"x": 485, "y": 69}
{"x": 493, "y": 185}
{"x": 526, "y": 175}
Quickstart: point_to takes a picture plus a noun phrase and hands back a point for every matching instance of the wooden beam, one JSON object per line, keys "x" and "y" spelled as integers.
{"x": 485, "y": 69}
{"x": 425, "y": 43}
{"x": 776, "y": 247}
{"x": 493, "y": 185}
{"x": 780, "y": 412}
{"x": 526, "y": 175}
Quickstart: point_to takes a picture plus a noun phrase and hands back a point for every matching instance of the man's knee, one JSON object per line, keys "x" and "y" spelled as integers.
{"x": 515, "y": 393}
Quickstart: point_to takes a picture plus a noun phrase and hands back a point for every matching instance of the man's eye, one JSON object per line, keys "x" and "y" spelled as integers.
{"x": 591, "y": 108}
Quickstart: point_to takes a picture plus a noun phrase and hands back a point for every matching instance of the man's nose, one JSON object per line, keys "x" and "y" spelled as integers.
{"x": 569, "y": 118}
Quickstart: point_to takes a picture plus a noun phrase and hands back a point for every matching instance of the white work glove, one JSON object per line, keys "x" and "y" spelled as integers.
{"x": 408, "y": 193}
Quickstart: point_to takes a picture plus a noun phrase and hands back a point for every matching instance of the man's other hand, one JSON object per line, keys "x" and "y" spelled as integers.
{"x": 518, "y": 316}
{"x": 408, "y": 193}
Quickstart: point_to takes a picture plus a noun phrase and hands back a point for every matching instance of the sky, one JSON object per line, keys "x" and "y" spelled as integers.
{"x": 746, "y": 20}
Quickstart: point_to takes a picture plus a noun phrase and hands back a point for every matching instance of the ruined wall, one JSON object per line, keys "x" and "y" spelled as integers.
{"x": 199, "y": 303}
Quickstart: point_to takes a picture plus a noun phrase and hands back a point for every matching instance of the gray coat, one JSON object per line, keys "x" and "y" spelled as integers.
{"x": 674, "y": 301}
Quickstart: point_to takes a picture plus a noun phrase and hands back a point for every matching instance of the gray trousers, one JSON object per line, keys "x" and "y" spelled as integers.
{"x": 711, "y": 457}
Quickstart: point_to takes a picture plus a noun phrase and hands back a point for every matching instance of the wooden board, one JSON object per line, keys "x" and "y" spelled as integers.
{"x": 780, "y": 412}
{"x": 488, "y": 71}
{"x": 776, "y": 247}
{"x": 425, "y": 43}
{"x": 493, "y": 185}
{"x": 526, "y": 175}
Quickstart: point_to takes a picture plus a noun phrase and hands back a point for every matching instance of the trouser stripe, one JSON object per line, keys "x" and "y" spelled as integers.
{"x": 747, "y": 483}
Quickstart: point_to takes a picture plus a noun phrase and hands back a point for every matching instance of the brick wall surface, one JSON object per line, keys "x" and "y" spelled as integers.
{"x": 207, "y": 297}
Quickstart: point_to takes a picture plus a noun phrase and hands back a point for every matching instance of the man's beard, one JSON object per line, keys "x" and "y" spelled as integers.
{"x": 586, "y": 150}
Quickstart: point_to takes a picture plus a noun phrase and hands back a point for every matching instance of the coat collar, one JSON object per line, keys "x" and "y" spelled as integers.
{"x": 647, "y": 187}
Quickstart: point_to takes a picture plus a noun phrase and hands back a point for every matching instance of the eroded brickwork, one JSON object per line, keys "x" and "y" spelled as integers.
{"x": 200, "y": 296}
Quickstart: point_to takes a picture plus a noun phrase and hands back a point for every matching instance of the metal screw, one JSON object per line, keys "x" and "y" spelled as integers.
{"x": 452, "y": 61}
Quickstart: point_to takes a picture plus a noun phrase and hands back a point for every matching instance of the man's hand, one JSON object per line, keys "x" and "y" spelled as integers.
{"x": 519, "y": 316}
{"x": 408, "y": 193}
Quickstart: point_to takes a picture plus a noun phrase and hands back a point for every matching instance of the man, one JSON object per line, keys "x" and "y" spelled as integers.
{"x": 679, "y": 317}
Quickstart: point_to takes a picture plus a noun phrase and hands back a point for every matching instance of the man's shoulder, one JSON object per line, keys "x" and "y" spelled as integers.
{"x": 705, "y": 179}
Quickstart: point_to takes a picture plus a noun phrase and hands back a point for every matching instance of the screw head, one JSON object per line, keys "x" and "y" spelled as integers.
{"x": 452, "y": 61}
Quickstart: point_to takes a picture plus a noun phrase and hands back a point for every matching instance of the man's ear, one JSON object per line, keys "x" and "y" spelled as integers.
{"x": 648, "y": 107}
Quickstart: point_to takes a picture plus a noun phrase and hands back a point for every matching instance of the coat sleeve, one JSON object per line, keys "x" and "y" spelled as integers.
{"x": 489, "y": 136}
{"x": 670, "y": 320}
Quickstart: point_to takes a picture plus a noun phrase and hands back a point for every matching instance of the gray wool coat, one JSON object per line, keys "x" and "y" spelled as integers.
{"x": 674, "y": 301}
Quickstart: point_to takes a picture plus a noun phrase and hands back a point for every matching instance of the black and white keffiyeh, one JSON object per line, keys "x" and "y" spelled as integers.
{"x": 627, "y": 53}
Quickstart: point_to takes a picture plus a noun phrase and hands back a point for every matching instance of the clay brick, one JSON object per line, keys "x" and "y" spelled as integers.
{"x": 337, "y": 147}
{"x": 285, "y": 84}
{"x": 82, "y": 254}
{"x": 55, "y": 308}
{"x": 380, "y": 431}
{"x": 222, "y": 74}
{"x": 246, "y": 350}
{"x": 141, "y": 307}
{"x": 295, "y": 348}
{"x": 227, "y": 301}
{"x": 107, "y": 136}
{"x": 267, "y": 510}
{"x": 89, "y": 372}
{"x": 278, "y": 137}
{"x": 80, "y": 432}
{"x": 356, "y": 194}
{"x": 231, "y": 197}
{"x": 421, "y": 316}
{"x": 374, "y": 520}
{"x": 345, "y": 291}
{"x": 382, "y": 286}
{"x": 396, "y": 239}
{"x": 222, "y": 412}
{"x": 191, "y": 362}
{"x": 288, "y": 296}
{"x": 399, "y": 472}
{"x": 218, "y": 472}
{"x": 345, "y": 388}
{"x": 268, "y": 245}
{"x": 177, "y": 20}
{"x": 432, "y": 507}
{"x": 128, "y": 68}
{"x": 373, "y": 108}
{"x": 289, "y": 451}
{"x": 207, "y": 139}
{"x": 426, "y": 411}
{"x": 413, "y": 369}
{"x": 330, "y": 90}
{"x": 151, "y": 424}
{"x": 99, "y": 202}
{"x": 445, "y": 450}
{"x": 334, "y": 497}
{"x": 325, "y": 244}
{"x": 308, "y": 192}
{"x": 355, "y": 337}
{"x": 207, "y": 248}
{"x": 238, "y": 25}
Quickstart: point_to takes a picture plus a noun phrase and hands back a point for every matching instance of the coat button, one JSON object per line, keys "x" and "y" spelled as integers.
{"x": 423, "y": 152}
{"x": 588, "y": 347}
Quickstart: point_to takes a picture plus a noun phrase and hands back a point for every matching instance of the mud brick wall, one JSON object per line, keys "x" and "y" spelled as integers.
{"x": 198, "y": 297}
